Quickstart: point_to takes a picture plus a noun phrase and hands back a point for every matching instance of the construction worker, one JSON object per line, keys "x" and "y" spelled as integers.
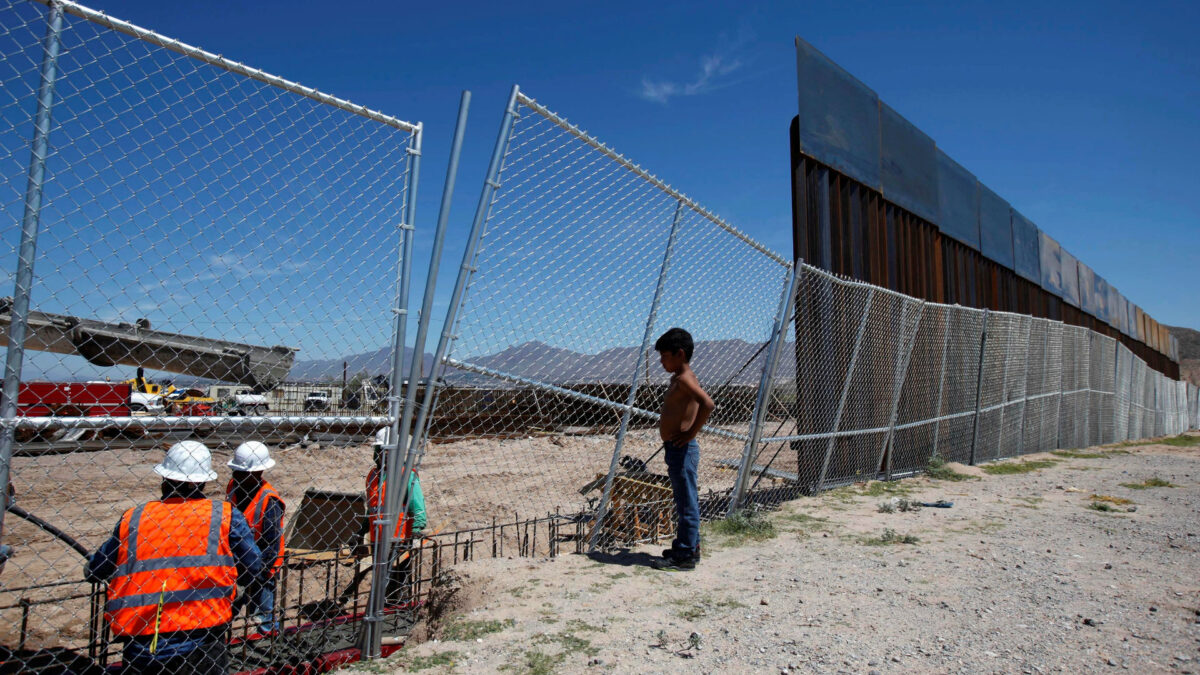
{"x": 172, "y": 568}
{"x": 263, "y": 508}
{"x": 409, "y": 524}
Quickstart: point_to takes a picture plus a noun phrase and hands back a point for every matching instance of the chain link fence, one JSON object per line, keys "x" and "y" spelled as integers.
{"x": 551, "y": 395}
{"x": 548, "y": 394}
{"x": 205, "y": 252}
{"x": 192, "y": 238}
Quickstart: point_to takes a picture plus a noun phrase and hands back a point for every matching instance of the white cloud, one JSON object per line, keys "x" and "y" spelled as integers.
{"x": 714, "y": 73}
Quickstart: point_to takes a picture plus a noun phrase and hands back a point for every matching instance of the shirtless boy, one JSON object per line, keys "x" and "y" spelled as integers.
{"x": 685, "y": 410}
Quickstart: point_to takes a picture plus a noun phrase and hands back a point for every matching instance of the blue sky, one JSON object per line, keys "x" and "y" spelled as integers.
{"x": 1081, "y": 115}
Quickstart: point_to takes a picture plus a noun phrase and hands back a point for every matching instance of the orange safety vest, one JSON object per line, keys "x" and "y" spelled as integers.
{"x": 254, "y": 515}
{"x": 376, "y": 491}
{"x": 173, "y": 555}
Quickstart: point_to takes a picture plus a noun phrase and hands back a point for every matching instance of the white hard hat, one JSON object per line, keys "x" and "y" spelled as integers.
{"x": 187, "y": 462}
{"x": 382, "y": 436}
{"x": 251, "y": 456}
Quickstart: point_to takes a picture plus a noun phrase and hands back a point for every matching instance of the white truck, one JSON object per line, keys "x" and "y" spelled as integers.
{"x": 245, "y": 402}
{"x": 316, "y": 401}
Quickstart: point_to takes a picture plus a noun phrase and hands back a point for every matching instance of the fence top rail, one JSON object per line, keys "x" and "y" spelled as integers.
{"x": 185, "y": 49}
{"x": 582, "y": 135}
{"x": 847, "y": 281}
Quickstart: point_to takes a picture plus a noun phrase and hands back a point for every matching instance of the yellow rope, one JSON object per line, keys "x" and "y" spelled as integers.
{"x": 158, "y": 617}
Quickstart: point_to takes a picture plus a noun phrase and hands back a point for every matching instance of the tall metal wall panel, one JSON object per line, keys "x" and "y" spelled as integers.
{"x": 908, "y": 165}
{"x": 1070, "y": 275}
{"x": 1050, "y": 254}
{"x": 995, "y": 227}
{"x": 839, "y": 116}
{"x": 958, "y": 200}
{"x": 1026, "y": 259}
{"x": 1087, "y": 289}
{"x": 1116, "y": 308}
{"x": 1103, "y": 301}
{"x": 843, "y": 124}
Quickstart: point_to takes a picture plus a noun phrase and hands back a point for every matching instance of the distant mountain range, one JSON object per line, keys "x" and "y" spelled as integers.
{"x": 717, "y": 362}
{"x": 371, "y": 363}
{"x": 1189, "y": 353}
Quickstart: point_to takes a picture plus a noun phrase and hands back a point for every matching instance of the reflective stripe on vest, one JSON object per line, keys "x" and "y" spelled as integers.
{"x": 254, "y": 516}
{"x": 160, "y": 558}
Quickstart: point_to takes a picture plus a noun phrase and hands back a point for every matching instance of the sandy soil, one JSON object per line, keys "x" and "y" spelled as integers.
{"x": 466, "y": 484}
{"x": 1019, "y": 576}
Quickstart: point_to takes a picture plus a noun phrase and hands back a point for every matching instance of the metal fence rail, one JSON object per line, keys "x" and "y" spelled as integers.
{"x": 168, "y": 208}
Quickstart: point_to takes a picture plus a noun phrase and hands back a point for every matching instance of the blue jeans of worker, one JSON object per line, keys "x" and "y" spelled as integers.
{"x": 259, "y": 599}
{"x": 197, "y": 652}
{"x": 682, "y": 462}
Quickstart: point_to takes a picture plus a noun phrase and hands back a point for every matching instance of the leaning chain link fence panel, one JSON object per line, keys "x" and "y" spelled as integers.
{"x": 1037, "y": 398}
{"x": 923, "y": 393}
{"x": 960, "y": 399}
{"x": 1102, "y": 383}
{"x": 583, "y": 259}
{"x": 217, "y": 262}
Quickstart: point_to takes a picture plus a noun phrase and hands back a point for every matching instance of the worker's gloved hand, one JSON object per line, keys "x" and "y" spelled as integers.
{"x": 417, "y": 534}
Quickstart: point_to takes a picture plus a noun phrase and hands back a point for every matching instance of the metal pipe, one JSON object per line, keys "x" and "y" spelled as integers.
{"x": 901, "y": 374}
{"x": 605, "y": 403}
{"x": 837, "y": 418}
{"x": 30, "y": 222}
{"x": 787, "y": 302}
{"x": 937, "y": 429}
{"x": 490, "y": 184}
{"x": 647, "y": 335}
{"x": 372, "y": 632}
{"x": 416, "y": 367}
{"x": 178, "y": 47}
{"x": 979, "y": 384}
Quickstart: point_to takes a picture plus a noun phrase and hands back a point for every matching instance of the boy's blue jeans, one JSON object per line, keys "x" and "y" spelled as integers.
{"x": 682, "y": 462}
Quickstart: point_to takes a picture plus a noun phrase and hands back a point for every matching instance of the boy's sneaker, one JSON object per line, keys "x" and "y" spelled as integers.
{"x": 673, "y": 564}
{"x": 672, "y": 554}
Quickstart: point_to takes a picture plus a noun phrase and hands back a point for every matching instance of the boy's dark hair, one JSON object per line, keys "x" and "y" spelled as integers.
{"x": 674, "y": 340}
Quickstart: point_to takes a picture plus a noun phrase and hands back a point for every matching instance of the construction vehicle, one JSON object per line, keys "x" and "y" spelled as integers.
{"x": 136, "y": 344}
{"x": 190, "y": 402}
{"x": 146, "y": 396}
{"x": 316, "y": 401}
{"x": 246, "y": 402}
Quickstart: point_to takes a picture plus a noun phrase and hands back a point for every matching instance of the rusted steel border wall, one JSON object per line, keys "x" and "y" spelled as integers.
{"x": 873, "y": 240}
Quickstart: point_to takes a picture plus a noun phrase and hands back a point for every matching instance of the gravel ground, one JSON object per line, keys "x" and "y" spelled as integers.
{"x": 1019, "y": 576}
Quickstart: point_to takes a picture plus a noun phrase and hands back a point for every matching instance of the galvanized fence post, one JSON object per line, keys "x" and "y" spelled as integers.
{"x": 379, "y": 586}
{"x": 837, "y": 417}
{"x": 937, "y": 411}
{"x": 416, "y": 365}
{"x": 1028, "y": 321}
{"x": 1003, "y": 391}
{"x": 979, "y": 384}
{"x": 382, "y": 553}
{"x": 763, "y": 399}
{"x": 23, "y": 286}
{"x": 491, "y": 183}
{"x": 904, "y": 350}
{"x": 602, "y": 509}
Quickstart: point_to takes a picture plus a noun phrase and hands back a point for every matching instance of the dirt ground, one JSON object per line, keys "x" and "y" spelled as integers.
{"x": 466, "y": 484}
{"x": 1021, "y": 575}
